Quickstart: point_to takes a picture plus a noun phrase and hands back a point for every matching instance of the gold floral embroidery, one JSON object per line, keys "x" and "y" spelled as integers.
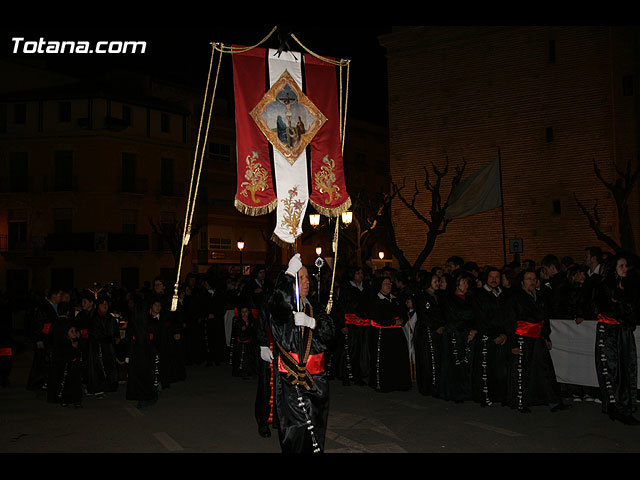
{"x": 256, "y": 176}
{"x": 292, "y": 210}
{"x": 325, "y": 180}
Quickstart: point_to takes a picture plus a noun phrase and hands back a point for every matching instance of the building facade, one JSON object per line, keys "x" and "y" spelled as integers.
{"x": 550, "y": 101}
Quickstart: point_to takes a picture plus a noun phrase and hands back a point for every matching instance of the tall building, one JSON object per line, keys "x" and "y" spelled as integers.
{"x": 550, "y": 100}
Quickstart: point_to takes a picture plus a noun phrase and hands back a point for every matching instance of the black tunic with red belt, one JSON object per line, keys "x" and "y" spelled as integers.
{"x": 301, "y": 388}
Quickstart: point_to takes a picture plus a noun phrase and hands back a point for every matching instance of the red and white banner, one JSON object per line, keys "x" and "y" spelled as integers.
{"x": 288, "y": 140}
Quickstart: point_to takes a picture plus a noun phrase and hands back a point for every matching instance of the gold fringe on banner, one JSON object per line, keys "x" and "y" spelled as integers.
{"x": 331, "y": 212}
{"x": 255, "y": 211}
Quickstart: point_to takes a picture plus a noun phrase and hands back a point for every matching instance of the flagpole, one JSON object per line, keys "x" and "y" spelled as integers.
{"x": 504, "y": 236}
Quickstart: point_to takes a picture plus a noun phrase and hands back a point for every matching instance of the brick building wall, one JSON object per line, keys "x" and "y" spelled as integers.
{"x": 550, "y": 100}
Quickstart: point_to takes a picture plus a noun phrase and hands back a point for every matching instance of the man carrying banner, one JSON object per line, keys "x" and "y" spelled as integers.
{"x": 302, "y": 338}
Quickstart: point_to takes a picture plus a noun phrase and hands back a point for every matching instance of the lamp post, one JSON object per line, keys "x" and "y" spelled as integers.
{"x": 347, "y": 217}
{"x": 381, "y": 255}
{"x": 319, "y": 263}
{"x": 241, "y": 247}
{"x": 314, "y": 219}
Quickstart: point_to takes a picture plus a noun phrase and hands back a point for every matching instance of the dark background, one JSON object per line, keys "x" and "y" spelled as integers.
{"x": 183, "y": 55}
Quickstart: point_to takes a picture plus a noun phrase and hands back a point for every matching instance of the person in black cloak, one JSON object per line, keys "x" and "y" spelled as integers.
{"x": 104, "y": 332}
{"x": 428, "y": 335}
{"x": 390, "y": 369}
{"x": 351, "y": 356}
{"x": 265, "y": 411}
{"x": 65, "y": 374}
{"x": 301, "y": 335}
{"x": 532, "y": 378}
{"x": 43, "y": 317}
{"x": 172, "y": 364}
{"x": 6, "y": 341}
{"x": 490, "y": 357}
{"x": 143, "y": 339}
{"x": 616, "y": 303}
{"x": 457, "y": 341}
{"x": 244, "y": 362}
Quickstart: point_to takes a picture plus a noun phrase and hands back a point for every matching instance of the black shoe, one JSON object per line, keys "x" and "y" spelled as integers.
{"x": 557, "y": 407}
{"x": 264, "y": 431}
{"x": 524, "y": 410}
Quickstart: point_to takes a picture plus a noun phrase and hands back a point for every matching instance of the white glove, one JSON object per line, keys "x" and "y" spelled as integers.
{"x": 295, "y": 264}
{"x": 266, "y": 354}
{"x": 303, "y": 320}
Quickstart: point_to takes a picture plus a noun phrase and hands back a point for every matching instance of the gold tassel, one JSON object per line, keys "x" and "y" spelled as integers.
{"x": 255, "y": 211}
{"x": 331, "y": 212}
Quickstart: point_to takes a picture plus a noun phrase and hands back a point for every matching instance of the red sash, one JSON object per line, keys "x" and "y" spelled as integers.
{"x": 528, "y": 329}
{"x": 315, "y": 363}
{"x": 84, "y": 333}
{"x": 249, "y": 340}
{"x": 45, "y": 328}
{"x": 607, "y": 320}
{"x": 374, "y": 324}
{"x": 353, "y": 319}
{"x": 5, "y": 352}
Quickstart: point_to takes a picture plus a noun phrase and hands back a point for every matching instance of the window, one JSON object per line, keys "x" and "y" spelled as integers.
{"x": 127, "y": 115}
{"x": 64, "y": 111}
{"x": 549, "y": 134}
{"x": 219, "y": 152}
{"x": 627, "y": 85}
{"x": 216, "y": 243}
{"x": 3, "y": 118}
{"x": 165, "y": 123}
{"x": 166, "y": 176}
{"x": 20, "y": 113}
{"x": 17, "y": 235}
{"x": 63, "y": 171}
{"x": 128, "y": 172}
{"x": 18, "y": 172}
{"x": 62, "y": 220}
{"x": 552, "y": 51}
{"x": 129, "y": 221}
{"x": 130, "y": 277}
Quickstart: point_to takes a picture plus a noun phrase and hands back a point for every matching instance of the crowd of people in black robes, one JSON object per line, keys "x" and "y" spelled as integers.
{"x": 458, "y": 333}
{"x": 103, "y": 338}
{"x": 484, "y": 334}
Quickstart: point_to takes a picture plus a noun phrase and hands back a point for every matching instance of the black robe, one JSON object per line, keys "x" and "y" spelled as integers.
{"x": 143, "y": 339}
{"x": 101, "y": 366}
{"x": 244, "y": 347}
{"x": 302, "y": 413}
{"x": 427, "y": 342}
{"x": 351, "y": 357}
{"x": 43, "y": 318}
{"x": 390, "y": 367}
{"x": 455, "y": 382}
{"x": 265, "y": 411}
{"x": 490, "y": 361}
{"x": 65, "y": 370}
{"x": 171, "y": 351}
{"x": 532, "y": 377}
{"x": 615, "y": 349}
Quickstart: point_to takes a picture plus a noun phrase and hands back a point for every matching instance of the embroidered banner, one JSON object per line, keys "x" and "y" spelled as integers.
{"x": 273, "y": 108}
{"x": 329, "y": 192}
{"x": 255, "y": 194}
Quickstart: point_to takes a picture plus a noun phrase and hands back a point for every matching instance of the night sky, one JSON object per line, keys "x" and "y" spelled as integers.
{"x": 183, "y": 55}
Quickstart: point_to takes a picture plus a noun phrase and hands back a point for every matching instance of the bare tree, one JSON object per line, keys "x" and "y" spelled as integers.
{"x": 621, "y": 189}
{"x": 171, "y": 234}
{"x": 434, "y": 220}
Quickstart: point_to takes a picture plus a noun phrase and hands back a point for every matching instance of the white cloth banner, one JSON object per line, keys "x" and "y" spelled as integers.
{"x": 573, "y": 351}
{"x": 292, "y": 186}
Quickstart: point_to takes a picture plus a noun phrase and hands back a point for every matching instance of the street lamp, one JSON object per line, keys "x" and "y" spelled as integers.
{"x": 318, "y": 250}
{"x": 347, "y": 217}
{"x": 381, "y": 255}
{"x": 314, "y": 219}
{"x": 241, "y": 247}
